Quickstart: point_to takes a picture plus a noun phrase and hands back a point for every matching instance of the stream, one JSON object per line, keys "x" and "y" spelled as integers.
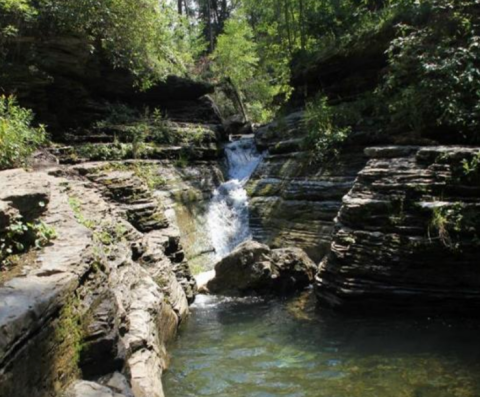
{"x": 261, "y": 347}
{"x": 228, "y": 211}
{"x": 269, "y": 348}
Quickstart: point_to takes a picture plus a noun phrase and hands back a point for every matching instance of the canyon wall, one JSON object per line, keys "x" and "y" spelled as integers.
{"x": 97, "y": 305}
{"x": 294, "y": 200}
{"x": 407, "y": 234}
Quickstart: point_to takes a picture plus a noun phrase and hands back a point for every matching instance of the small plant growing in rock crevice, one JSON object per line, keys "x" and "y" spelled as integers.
{"x": 455, "y": 223}
{"x": 182, "y": 161}
{"x": 19, "y": 236}
{"x": 471, "y": 168}
{"x": 398, "y": 211}
{"x": 106, "y": 234}
{"x": 439, "y": 224}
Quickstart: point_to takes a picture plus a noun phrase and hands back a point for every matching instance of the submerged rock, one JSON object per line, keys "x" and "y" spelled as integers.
{"x": 255, "y": 268}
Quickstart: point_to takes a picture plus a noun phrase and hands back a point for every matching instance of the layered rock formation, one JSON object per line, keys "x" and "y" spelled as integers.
{"x": 184, "y": 194}
{"x": 293, "y": 201}
{"x": 103, "y": 299}
{"x": 407, "y": 235}
{"x": 254, "y": 268}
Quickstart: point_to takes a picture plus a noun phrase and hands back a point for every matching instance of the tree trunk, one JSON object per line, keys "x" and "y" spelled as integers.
{"x": 210, "y": 27}
{"x": 287, "y": 24}
{"x": 180, "y": 6}
{"x": 238, "y": 98}
{"x": 303, "y": 39}
{"x": 187, "y": 9}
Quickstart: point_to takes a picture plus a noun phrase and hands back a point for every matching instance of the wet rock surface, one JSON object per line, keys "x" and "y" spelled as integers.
{"x": 406, "y": 236}
{"x": 254, "y": 268}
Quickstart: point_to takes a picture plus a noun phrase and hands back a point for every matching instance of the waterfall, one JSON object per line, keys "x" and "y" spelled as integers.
{"x": 228, "y": 210}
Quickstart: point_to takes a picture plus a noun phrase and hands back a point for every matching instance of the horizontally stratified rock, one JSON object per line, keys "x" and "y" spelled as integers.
{"x": 103, "y": 297}
{"x": 407, "y": 235}
{"x": 293, "y": 201}
{"x": 254, "y": 268}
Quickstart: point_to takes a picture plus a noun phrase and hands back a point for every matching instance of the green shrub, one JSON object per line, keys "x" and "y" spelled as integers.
{"x": 433, "y": 81}
{"x": 18, "y": 139}
{"x": 110, "y": 152}
{"x": 324, "y": 136}
{"x": 138, "y": 127}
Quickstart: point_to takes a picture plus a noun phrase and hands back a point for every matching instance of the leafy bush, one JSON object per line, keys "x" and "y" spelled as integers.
{"x": 136, "y": 128}
{"x": 324, "y": 135}
{"x": 18, "y": 139}
{"x": 471, "y": 168}
{"x": 434, "y": 78}
{"x": 117, "y": 114}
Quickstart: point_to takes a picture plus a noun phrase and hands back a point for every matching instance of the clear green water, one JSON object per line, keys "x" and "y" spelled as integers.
{"x": 269, "y": 348}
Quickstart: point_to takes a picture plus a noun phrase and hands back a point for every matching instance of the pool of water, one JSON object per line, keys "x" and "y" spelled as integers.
{"x": 267, "y": 348}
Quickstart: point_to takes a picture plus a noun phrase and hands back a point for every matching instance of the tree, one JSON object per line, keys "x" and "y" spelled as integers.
{"x": 238, "y": 66}
{"x": 148, "y": 37}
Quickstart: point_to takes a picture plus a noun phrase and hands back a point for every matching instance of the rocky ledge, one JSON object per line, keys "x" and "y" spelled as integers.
{"x": 407, "y": 235}
{"x": 89, "y": 314}
{"x": 294, "y": 202}
{"x": 253, "y": 268}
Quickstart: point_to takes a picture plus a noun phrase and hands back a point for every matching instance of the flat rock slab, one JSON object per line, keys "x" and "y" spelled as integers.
{"x": 27, "y": 302}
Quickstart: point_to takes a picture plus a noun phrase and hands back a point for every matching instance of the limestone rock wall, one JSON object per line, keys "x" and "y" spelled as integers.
{"x": 187, "y": 193}
{"x": 102, "y": 300}
{"x": 407, "y": 235}
{"x": 294, "y": 202}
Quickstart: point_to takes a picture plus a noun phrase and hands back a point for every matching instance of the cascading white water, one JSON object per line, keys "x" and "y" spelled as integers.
{"x": 228, "y": 211}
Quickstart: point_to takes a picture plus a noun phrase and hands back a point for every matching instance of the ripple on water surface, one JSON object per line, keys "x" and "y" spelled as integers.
{"x": 262, "y": 348}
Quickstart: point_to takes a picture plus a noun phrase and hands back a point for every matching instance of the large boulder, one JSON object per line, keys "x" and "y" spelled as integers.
{"x": 255, "y": 268}
{"x": 294, "y": 269}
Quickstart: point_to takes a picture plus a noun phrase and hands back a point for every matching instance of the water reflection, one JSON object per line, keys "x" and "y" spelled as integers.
{"x": 262, "y": 347}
